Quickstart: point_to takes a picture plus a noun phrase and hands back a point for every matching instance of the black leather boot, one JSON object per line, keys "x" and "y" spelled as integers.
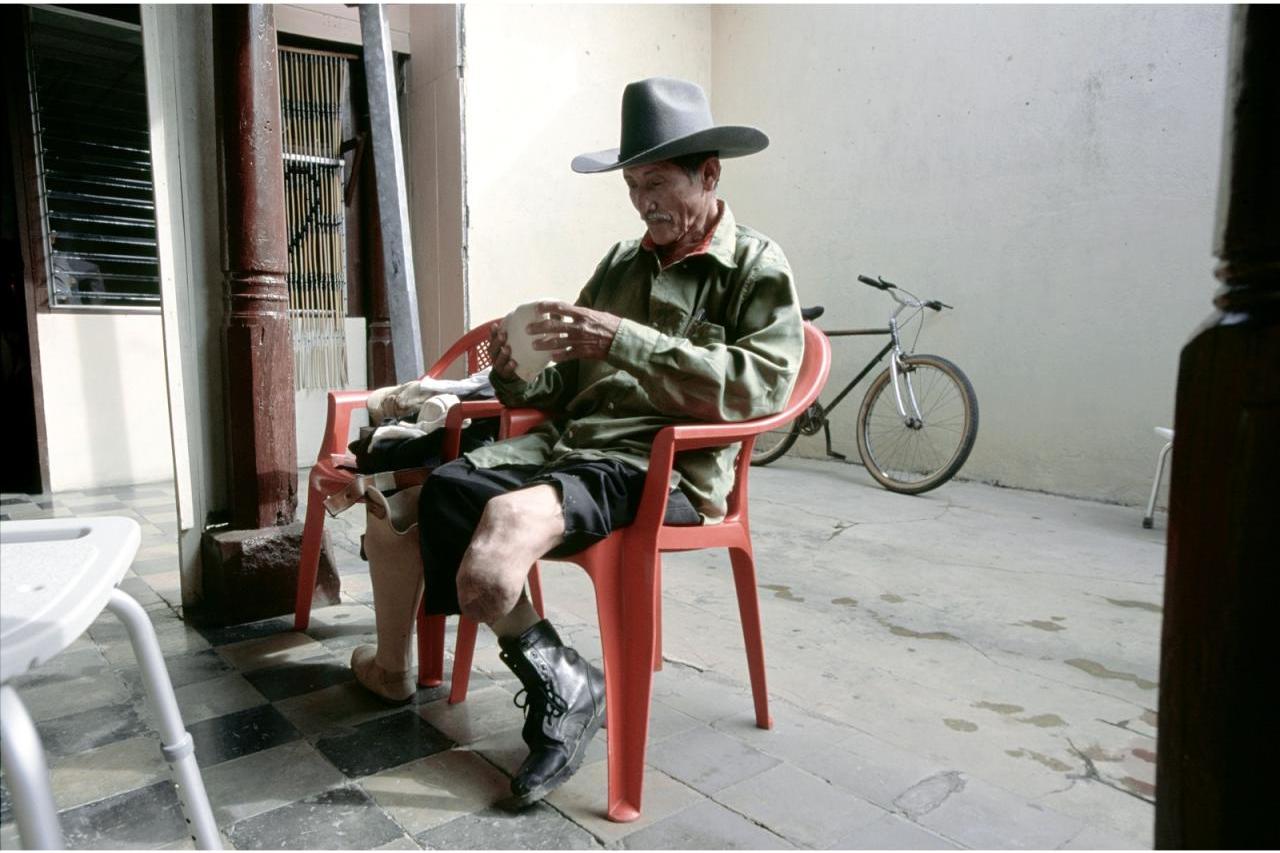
{"x": 563, "y": 706}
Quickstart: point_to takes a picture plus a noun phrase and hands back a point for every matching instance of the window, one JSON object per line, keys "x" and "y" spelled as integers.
{"x": 89, "y": 108}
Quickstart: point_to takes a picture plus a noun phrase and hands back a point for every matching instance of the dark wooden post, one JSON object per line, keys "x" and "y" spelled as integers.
{"x": 1218, "y": 750}
{"x": 250, "y": 569}
{"x": 260, "y": 407}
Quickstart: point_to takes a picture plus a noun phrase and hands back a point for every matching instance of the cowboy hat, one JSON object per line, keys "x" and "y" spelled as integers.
{"x": 662, "y": 118}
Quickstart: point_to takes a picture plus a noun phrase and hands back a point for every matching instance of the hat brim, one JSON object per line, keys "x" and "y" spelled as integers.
{"x": 726, "y": 141}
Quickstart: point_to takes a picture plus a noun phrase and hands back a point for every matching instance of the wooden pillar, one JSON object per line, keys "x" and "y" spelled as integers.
{"x": 1218, "y": 749}
{"x": 259, "y": 392}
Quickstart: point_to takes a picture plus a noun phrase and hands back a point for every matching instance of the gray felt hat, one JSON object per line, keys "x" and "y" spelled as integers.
{"x": 663, "y": 117}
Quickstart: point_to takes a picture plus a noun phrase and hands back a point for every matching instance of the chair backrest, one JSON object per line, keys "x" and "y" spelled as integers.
{"x": 815, "y": 367}
{"x": 473, "y": 347}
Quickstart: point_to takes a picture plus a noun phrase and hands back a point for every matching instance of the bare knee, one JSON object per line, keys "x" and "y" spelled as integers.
{"x": 485, "y": 596}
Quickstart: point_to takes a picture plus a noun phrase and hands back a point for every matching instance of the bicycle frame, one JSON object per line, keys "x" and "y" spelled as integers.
{"x": 894, "y": 346}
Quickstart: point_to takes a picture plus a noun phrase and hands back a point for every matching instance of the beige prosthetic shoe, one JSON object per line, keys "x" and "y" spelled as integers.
{"x": 395, "y": 569}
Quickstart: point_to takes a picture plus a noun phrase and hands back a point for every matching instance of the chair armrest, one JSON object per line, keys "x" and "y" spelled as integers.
{"x": 337, "y": 426}
{"x": 518, "y": 421}
{"x": 456, "y": 415}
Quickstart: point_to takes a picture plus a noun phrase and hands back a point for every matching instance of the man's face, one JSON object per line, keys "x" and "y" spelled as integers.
{"x": 668, "y": 200}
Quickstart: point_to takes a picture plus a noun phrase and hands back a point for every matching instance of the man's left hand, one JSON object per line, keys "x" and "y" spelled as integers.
{"x": 573, "y": 332}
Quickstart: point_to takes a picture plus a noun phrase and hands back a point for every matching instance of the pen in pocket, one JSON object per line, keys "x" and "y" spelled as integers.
{"x": 694, "y": 320}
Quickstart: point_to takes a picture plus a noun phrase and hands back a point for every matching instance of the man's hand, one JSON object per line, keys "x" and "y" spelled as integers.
{"x": 573, "y": 332}
{"x": 504, "y": 367}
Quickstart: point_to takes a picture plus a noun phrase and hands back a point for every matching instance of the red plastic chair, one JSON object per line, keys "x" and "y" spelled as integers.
{"x": 625, "y": 569}
{"x": 335, "y": 470}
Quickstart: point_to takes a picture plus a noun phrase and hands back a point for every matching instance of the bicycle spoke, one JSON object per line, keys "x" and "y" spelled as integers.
{"x": 906, "y": 454}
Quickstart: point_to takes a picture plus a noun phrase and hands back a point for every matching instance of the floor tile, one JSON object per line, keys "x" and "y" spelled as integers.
{"x": 339, "y": 620}
{"x": 437, "y": 789}
{"x": 304, "y": 676}
{"x": 76, "y": 661}
{"x": 154, "y": 565}
{"x": 339, "y": 819}
{"x": 538, "y": 828}
{"x": 145, "y": 817}
{"x": 404, "y": 842}
{"x": 584, "y": 799}
{"x": 233, "y": 735}
{"x": 707, "y": 760}
{"x": 272, "y": 651}
{"x": 247, "y": 631}
{"x": 893, "y": 832}
{"x": 9, "y": 837}
{"x": 484, "y": 712}
{"x": 216, "y": 697}
{"x": 183, "y": 669}
{"x": 257, "y": 783}
{"x": 173, "y": 636}
{"x": 799, "y": 806}
{"x": 59, "y": 698}
{"x": 89, "y": 729}
{"x": 102, "y": 772}
{"x": 705, "y": 826}
{"x": 382, "y": 743}
{"x": 1095, "y": 838}
{"x": 340, "y": 707}
{"x": 977, "y": 814}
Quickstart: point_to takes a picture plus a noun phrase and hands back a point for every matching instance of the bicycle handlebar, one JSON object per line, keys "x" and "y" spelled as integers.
{"x": 878, "y": 284}
{"x": 911, "y": 300}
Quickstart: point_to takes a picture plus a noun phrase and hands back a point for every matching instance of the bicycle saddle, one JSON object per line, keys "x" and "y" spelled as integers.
{"x": 812, "y": 313}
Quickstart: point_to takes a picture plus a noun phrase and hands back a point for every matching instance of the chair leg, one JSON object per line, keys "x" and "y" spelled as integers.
{"x": 626, "y": 636}
{"x": 657, "y": 616}
{"x": 535, "y": 591}
{"x": 309, "y": 564}
{"x": 1155, "y": 486}
{"x": 464, "y": 650}
{"x": 430, "y": 649}
{"x": 744, "y": 578}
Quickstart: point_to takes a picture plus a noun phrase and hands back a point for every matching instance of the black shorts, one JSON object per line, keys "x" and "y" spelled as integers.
{"x": 598, "y": 496}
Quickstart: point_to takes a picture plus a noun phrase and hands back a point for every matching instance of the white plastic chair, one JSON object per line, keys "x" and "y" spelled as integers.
{"x": 56, "y": 576}
{"x": 1167, "y": 435}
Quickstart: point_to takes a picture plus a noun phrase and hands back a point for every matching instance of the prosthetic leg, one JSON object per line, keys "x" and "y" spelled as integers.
{"x": 395, "y": 568}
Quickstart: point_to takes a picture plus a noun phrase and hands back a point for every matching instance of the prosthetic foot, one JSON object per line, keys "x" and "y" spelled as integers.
{"x": 395, "y": 568}
{"x": 564, "y": 708}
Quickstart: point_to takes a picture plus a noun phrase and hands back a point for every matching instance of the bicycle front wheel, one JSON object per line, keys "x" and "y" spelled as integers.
{"x": 773, "y": 445}
{"x": 910, "y": 456}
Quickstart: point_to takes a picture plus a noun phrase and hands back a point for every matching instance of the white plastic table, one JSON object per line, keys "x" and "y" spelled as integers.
{"x": 56, "y": 576}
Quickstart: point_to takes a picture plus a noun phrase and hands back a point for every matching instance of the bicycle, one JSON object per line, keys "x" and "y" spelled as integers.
{"x": 918, "y": 420}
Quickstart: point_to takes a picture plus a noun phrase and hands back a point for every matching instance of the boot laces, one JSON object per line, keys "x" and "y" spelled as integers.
{"x": 555, "y": 704}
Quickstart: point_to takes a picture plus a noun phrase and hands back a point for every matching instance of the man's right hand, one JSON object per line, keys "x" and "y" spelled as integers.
{"x": 504, "y": 367}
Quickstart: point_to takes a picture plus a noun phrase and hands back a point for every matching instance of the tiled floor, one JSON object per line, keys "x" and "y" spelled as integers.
{"x": 294, "y": 754}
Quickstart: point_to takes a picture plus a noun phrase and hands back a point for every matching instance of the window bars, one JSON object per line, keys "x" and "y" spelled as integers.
{"x": 89, "y": 110}
{"x": 312, "y": 88}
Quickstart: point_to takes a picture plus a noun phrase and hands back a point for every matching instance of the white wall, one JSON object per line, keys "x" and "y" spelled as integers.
{"x": 1050, "y": 171}
{"x": 105, "y": 405}
{"x": 432, "y": 115}
{"x": 543, "y": 84}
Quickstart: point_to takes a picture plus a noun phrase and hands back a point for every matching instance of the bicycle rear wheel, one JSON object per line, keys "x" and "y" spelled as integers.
{"x": 914, "y": 458}
{"x": 773, "y": 445}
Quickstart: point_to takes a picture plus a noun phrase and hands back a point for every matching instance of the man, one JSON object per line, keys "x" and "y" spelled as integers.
{"x": 698, "y": 321}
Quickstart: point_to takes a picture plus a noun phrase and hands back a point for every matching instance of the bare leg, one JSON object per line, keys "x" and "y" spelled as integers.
{"x": 516, "y": 529}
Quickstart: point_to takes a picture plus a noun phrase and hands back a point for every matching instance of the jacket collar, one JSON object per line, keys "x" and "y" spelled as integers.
{"x": 721, "y": 245}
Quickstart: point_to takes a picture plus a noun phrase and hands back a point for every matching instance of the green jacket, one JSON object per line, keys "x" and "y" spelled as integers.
{"x": 714, "y": 337}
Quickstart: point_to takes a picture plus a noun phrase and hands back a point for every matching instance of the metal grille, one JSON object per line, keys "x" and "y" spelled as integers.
{"x": 312, "y": 86}
{"x": 89, "y": 103}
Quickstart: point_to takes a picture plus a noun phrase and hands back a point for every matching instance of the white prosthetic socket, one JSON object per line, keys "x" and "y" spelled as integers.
{"x": 395, "y": 569}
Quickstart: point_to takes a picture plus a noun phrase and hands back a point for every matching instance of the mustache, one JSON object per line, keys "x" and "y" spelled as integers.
{"x": 658, "y": 217}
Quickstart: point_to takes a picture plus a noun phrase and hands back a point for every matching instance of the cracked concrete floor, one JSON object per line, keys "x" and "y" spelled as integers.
{"x": 977, "y": 635}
